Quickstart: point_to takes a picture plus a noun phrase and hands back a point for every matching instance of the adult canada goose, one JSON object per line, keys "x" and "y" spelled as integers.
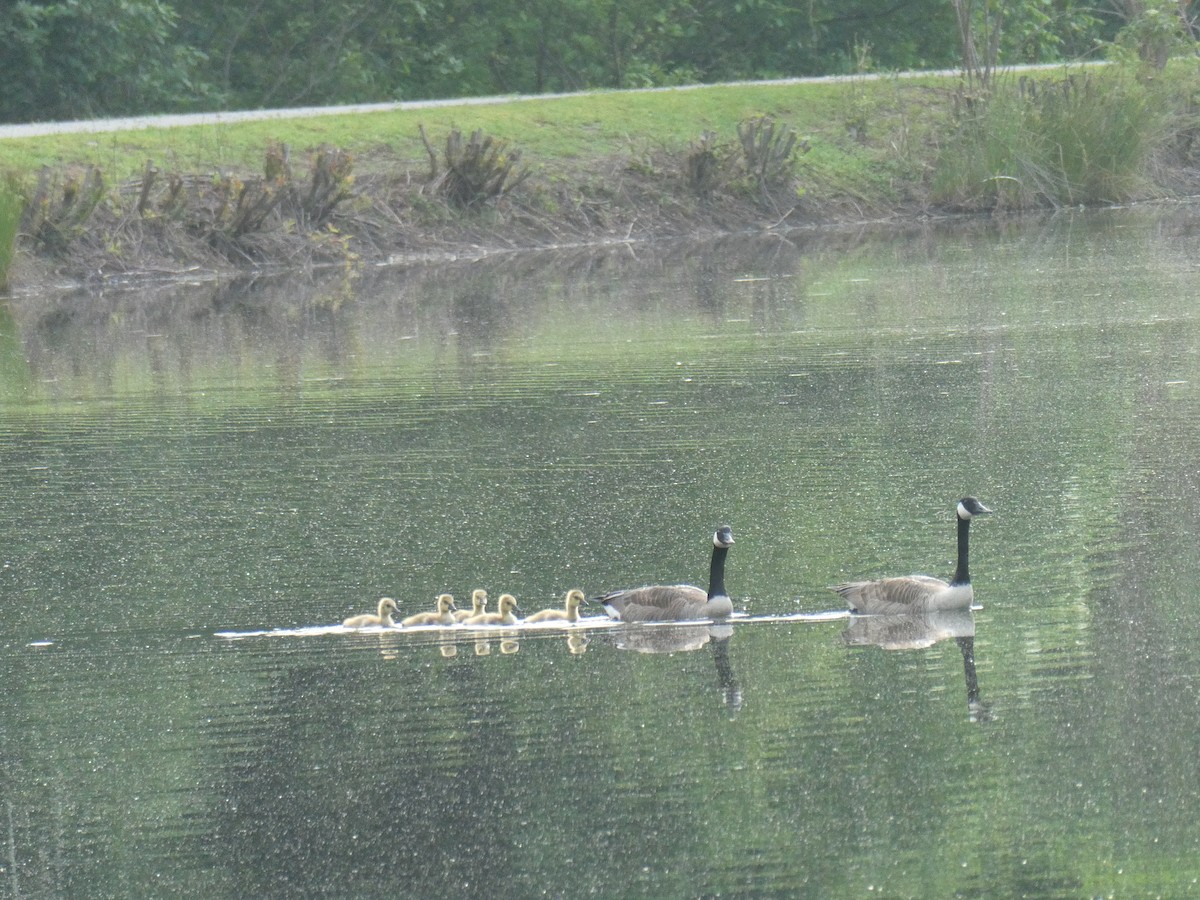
{"x": 443, "y": 616}
{"x": 383, "y": 616}
{"x": 507, "y": 606}
{"x": 919, "y": 593}
{"x": 478, "y": 605}
{"x": 569, "y": 612}
{"x": 677, "y": 602}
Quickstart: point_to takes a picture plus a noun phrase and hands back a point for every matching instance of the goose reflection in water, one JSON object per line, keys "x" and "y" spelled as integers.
{"x": 916, "y": 631}
{"x": 683, "y": 639}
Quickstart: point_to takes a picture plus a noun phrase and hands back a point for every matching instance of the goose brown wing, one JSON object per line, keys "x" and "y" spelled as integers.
{"x": 656, "y": 603}
{"x": 890, "y": 595}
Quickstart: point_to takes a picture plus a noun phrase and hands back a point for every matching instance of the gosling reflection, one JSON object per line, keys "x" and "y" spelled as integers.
{"x": 916, "y": 631}
{"x": 684, "y": 639}
{"x": 577, "y": 643}
{"x": 483, "y": 647}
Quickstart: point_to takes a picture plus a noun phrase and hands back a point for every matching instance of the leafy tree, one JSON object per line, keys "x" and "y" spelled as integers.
{"x": 77, "y": 58}
{"x": 306, "y": 52}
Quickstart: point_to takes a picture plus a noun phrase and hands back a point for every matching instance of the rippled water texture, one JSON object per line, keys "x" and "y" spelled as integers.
{"x": 200, "y": 482}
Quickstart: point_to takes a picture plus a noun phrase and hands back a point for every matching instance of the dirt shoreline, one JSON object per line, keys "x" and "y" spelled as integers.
{"x": 145, "y": 232}
{"x": 78, "y": 232}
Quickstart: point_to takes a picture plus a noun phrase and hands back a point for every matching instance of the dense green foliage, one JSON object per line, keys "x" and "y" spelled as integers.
{"x": 62, "y": 59}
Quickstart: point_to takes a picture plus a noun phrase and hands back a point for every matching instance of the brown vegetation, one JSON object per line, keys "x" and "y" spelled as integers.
{"x": 477, "y": 196}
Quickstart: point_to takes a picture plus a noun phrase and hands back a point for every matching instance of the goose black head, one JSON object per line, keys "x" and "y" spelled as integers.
{"x": 723, "y": 537}
{"x": 969, "y": 506}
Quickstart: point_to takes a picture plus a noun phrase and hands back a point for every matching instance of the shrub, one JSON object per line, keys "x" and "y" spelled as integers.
{"x": 767, "y": 153}
{"x": 760, "y": 164}
{"x": 476, "y": 171}
{"x": 10, "y": 220}
{"x": 61, "y": 203}
{"x": 1083, "y": 139}
{"x": 704, "y": 165}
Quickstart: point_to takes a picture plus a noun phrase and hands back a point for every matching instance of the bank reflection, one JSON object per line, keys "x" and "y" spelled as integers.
{"x": 917, "y": 631}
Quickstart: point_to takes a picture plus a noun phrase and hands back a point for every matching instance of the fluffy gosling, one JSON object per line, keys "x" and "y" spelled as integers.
{"x": 479, "y": 600}
{"x": 506, "y": 615}
{"x": 569, "y": 612}
{"x": 383, "y": 616}
{"x": 443, "y": 616}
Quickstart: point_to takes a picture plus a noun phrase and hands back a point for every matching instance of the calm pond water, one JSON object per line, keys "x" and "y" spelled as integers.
{"x": 199, "y": 482}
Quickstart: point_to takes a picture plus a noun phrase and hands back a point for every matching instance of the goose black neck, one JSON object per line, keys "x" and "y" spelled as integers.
{"x": 961, "y": 574}
{"x": 716, "y": 573}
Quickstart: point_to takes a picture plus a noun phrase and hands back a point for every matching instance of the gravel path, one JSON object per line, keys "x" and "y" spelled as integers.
{"x": 38, "y": 129}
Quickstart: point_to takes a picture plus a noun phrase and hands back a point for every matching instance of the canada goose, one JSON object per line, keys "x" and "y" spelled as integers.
{"x": 443, "y": 616}
{"x": 919, "y": 593}
{"x": 387, "y": 606}
{"x": 478, "y": 605}
{"x": 677, "y": 602}
{"x": 569, "y": 612}
{"x": 507, "y": 605}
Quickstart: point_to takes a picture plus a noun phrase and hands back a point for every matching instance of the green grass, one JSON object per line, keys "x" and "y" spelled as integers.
{"x": 10, "y": 218}
{"x": 605, "y": 163}
{"x": 1089, "y": 139}
{"x": 557, "y": 130}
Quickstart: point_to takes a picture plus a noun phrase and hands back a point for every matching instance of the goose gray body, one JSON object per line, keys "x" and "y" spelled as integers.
{"x": 677, "y": 602}
{"x": 920, "y": 593}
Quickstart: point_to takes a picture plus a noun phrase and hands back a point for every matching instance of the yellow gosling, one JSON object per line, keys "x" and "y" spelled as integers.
{"x": 506, "y": 615}
{"x": 569, "y": 612}
{"x": 478, "y": 606}
{"x": 443, "y": 616}
{"x": 387, "y": 606}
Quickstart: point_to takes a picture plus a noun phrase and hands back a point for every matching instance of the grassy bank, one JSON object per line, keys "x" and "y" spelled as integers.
{"x": 613, "y": 166}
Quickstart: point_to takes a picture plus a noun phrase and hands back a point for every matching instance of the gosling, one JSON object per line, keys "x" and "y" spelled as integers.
{"x": 506, "y": 616}
{"x": 443, "y": 616}
{"x": 387, "y": 606}
{"x": 569, "y": 612}
{"x": 479, "y": 600}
